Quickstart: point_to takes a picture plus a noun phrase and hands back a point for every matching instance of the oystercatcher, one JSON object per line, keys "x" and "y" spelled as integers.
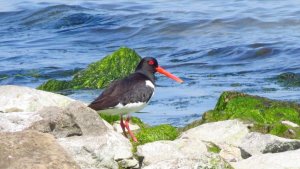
{"x": 132, "y": 93}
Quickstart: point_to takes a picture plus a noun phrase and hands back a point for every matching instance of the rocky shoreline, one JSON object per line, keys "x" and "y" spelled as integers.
{"x": 40, "y": 129}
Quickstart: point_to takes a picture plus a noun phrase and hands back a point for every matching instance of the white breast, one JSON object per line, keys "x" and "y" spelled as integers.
{"x": 150, "y": 84}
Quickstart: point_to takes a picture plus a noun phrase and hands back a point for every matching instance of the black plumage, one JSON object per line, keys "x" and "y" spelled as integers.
{"x": 132, "y": 89}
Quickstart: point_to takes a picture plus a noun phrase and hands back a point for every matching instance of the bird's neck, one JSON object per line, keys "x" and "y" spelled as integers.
{"x": 148, "y": 74}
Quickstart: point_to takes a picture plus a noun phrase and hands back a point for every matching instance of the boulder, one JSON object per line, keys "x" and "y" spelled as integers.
{"x": 284, "y": 160}
{"x": 32, "y": 149}
{"x": 288, "y": 79}
{"x": 157, "y": 151}
{"x": 212, "y": 161}
{"x": 91, "y": 141}
{"x": 76, "y": 119}
{"x": 99, "y": 74}
{"x": 265, "y": 114}
{"x": 103, "y": 151}
{"x": 17, "y": 121}
{"x": 223, "y": 132}
{"x": 256, "y": 143}
{"x": 184, "y": 152}
{"x": 25, "y": 99}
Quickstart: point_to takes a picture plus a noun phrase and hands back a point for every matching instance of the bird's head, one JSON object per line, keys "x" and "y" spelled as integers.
{"x": 150, "y": 65}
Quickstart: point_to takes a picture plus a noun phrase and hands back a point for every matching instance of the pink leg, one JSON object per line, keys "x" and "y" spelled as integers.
{"x": 129, "y": 131}
{"x": 123, "y": 126}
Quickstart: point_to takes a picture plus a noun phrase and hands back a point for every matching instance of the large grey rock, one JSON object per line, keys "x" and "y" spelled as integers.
{"x": 103, "y": 151}
{"x": 17, "y": 121}
{"x": 91, "y": 141}
{"x": 74, "y": 120}
{"x": 155, "y": 152}
{"x": 25, "y": 99}
{"x": 222, "y": 132}
{"x": 32, "y": 149}
{"x": 257, "y": 143}
{"x": 284, "y": 160}
{"x": 183, "y": 152}
{"x": 212, "y": 161}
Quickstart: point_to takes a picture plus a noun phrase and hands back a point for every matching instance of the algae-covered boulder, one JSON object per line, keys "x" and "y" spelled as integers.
{"x": 266, "y": 115}
{"x": 288, "y": 79}
{"x": 99, "y": 74}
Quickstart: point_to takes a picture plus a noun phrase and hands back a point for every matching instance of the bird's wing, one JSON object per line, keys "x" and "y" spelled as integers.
{"x": 123, "y": 91}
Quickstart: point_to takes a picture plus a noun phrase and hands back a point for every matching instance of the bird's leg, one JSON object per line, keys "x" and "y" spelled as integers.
{"x": 123, "y": 125}
{"x": 129, "y": 131}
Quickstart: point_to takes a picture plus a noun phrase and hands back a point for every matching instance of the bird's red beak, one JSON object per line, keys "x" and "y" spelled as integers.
{"x": 168, "y": 74}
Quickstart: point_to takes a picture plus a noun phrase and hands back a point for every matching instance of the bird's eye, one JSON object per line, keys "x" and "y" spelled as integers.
{"x": 151, "y": 62}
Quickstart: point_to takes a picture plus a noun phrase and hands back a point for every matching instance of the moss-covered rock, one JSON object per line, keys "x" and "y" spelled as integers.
{"x": 265, "y": 114}
{"x": 160, "y": 132}
{"x": 55, "y": 85}
{"x": 99, "y": 74}
{"x": 156, "y": 133}
{"x": 288, "y": 79}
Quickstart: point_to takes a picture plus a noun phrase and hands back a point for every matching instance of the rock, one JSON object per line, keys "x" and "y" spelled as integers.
{"x": 24, "y": 99}
{"x": 288, "y": 79}
{"x": 206, "y": 162}
{"x": 129, "y": 163}
{"x": 231, "y": 153}
{"x": 76, "y": 119}
{"x": 99, "y": 74}
{"x": 257, "y": 143}
{"x": 32, "y": 149}
{"x": 224, "y": 132}
{"x": 17, "y": 121}
{"x": 103, "y": 151}
{"x": 284, "y": 160}
{"x": 266, "y": 115}
{"x": 183, "y": 152}
{"x": 289, "y": 123}
{"x": 159, "y": 151}
{"x": 117, "y": 127}
{"x": 91, "y": 141}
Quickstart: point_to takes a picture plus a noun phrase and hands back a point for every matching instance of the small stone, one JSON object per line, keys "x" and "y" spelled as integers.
{"x": 289, "y": 123}
{"x": 230, "y": 153}
{"x": 129, "y": 163}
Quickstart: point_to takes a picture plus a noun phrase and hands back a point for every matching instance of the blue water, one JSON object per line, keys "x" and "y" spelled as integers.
{"x": 213, "y": 45}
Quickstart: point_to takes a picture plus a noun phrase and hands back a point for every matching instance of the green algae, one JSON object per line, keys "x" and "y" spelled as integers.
{"x": 265, "y": 114}
{"x": 110, "y": 118}
{"x": 160, "y": 132}
{"x": 55, "y": 85}
{"x": 113, "y": 118}
{"x": 213, "y": 148}
{"x": 99, "y": 74}
{"x": 155, "y": 133}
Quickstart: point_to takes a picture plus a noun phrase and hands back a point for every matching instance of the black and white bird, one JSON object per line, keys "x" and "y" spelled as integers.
{"x": 132, "y": 93}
